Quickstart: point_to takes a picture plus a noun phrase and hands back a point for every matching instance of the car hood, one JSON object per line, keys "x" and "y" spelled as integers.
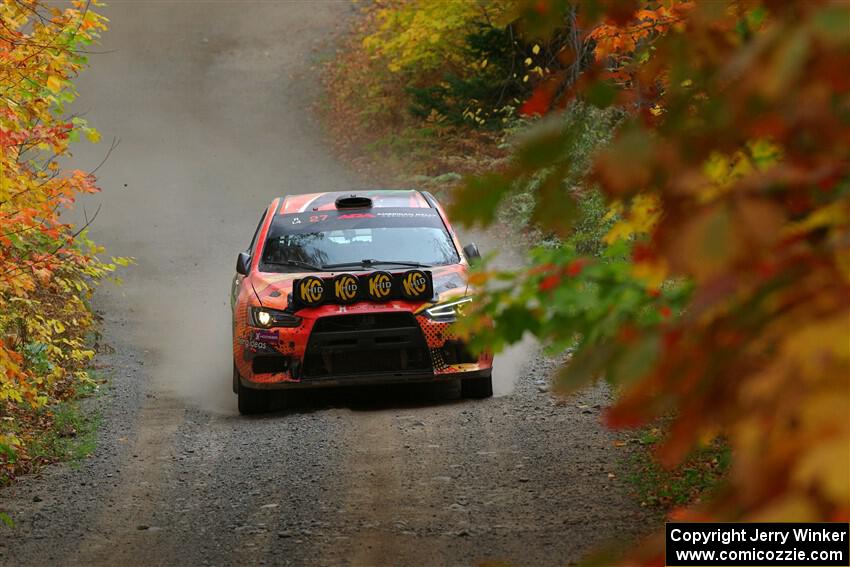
{"x": 273, "y": 289}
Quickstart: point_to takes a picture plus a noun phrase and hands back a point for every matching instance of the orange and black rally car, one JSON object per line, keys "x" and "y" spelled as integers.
{"x": 351, "y": 288}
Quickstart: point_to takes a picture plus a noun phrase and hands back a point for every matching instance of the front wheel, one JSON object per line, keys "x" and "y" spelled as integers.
{"x": 481, "y": 387}
{"x": 251, "y": 400}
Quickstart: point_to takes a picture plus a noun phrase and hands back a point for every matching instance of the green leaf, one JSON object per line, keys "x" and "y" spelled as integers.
{"x": 601, "y": 94}
{"x": 514, "y": 321}
{"x": 585, "y": 366}
{"x": 9, "y": 452}
{"x": 555, "y": 208}
{"x": 544, "y": 148}
{"x": 479, "y": 197}
{"x": 636, "y": 361}
{"x": 7, "y": 520}
{"x": 832, "y": 23}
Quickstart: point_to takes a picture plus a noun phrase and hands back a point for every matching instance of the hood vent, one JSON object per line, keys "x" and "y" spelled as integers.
{"x": 353, "y": 202}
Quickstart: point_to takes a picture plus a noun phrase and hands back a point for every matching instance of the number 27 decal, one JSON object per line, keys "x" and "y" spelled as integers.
{"x": 318, "y": 218}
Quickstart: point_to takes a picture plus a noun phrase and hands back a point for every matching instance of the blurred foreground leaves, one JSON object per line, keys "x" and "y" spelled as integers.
{"x": 720, "y": 293}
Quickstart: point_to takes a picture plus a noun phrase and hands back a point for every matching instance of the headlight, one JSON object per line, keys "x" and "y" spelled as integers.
{"x": 448, "y": 312}
{"x": 262, "y": 317}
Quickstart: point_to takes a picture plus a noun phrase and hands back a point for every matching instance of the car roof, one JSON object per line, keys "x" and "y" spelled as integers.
{"x": 397, "y": 198}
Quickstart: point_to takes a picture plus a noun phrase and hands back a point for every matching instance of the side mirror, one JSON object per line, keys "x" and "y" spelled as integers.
{"x": 243, "y": 263}
{"x": 471, "y": 252}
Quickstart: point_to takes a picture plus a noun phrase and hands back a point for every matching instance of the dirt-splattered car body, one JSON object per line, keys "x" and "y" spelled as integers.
{"x": 297, "y": 327}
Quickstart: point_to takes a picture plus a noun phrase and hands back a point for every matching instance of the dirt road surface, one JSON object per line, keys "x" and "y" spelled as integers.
{"x": 211, "y": 101}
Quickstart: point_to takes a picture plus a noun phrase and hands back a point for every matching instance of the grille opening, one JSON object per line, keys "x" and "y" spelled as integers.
{"x": 270, "y": 364}
{"x": 455, "y": 352}
{"x": 377, "y": 361}
{"x": 342, "y": 345}
{"x": 364, "y": 322}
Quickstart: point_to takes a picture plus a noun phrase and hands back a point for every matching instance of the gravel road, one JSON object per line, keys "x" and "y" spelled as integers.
{"x": 210, "y": 102}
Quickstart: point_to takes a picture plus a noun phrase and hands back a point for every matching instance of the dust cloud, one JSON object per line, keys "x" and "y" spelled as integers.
{"x": 509, "y": 364}
{"x": 207, "y": 140}
{"x": 213, "y": 122}
{"x": 195, "y": 361}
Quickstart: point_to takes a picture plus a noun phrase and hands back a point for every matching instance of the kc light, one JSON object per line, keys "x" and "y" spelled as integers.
{"x": 448, "y": 312}
{"x": 262, "y": 317}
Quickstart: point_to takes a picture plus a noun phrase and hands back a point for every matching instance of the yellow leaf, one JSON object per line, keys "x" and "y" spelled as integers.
{"x": 536, "y": 49}
{"x": 811, "y": 345}
{"x": 93, "y": 135}
{"x": 54, "y": 83}
{"x": 642, "y": 217}
{"x": 621, "y": 230}
{"x": 827, "y": 467}
{"x": 790, "y": 508}
{"x": 833, "y": 214}
{"x": 716, "y": 168}
{"x": 614, "y": 209}
{"x": 652, "y": 274}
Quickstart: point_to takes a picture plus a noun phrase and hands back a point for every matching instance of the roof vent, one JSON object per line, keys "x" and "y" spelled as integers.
{"x": 353, "y": 202}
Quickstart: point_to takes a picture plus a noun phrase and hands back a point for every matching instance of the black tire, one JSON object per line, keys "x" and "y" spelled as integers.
{"x": 478, "y": 387}
{"x": 252, "y": 401}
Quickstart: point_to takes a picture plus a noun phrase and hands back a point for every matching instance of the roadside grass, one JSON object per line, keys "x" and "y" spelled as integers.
{"x": 72, "y": 436}
{"x": 65, "y": 431}
{"x": 701, "y": 474}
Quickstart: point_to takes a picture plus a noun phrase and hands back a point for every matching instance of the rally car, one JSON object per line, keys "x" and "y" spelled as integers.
{"x": 348, "y": 288}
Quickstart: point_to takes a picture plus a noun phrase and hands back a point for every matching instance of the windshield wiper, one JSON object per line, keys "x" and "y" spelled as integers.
{"x": 368, "y": 263}
{"x": 297, "y": 264}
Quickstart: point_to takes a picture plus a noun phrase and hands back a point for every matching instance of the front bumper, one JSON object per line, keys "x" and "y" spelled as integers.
{"x": 324, "y": 351}
{"x": 366, "y": 380}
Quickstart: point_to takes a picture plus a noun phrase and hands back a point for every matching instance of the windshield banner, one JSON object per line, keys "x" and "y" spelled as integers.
{"x": 324, "y": 221}
{"x": 344, "y": 289}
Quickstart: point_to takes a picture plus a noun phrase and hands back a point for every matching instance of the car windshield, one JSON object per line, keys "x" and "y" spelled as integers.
{"x": 378, "y": 238}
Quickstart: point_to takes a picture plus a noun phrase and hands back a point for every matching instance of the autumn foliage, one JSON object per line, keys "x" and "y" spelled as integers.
{"x": 47, "y": 267}
{"x": 721, "y": 298}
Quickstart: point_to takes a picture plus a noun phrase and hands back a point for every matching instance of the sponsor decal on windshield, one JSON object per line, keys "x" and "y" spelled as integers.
{"x": 340, "y": 220}
{"x": 407, "y": 214}
{"x": 356, "y": 216}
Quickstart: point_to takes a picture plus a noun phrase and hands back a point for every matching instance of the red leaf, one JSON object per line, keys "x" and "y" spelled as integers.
{"x": 575, "y": 267}
{"x": 549, "y": 282}
{"x": 540, "y": 102}
{"x": 642, "y": 253}
{"x": 627, "y": 334}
